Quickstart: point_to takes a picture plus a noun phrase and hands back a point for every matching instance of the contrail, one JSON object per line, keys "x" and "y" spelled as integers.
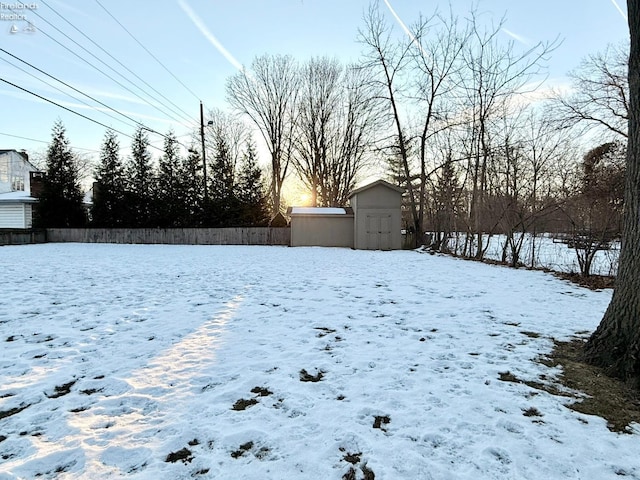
{"x": 406, "y": 29}
{"x": 516, "y": 37}
{"x": 622, "y": 12}
{"x": 197, "y": 21}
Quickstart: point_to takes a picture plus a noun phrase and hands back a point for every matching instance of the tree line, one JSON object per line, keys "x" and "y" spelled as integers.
{"x": 137, "y": 193}
{"x": 449, "y": 112}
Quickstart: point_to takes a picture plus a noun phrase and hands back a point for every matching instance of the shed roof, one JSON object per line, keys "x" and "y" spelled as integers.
{"x": 318, "y": 211}
{"x": 375, "y": 184}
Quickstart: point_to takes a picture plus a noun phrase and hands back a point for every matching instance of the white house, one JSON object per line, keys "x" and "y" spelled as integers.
{"x": 16, "y": 202}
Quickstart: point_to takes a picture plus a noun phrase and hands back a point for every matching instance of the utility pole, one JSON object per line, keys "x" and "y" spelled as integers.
{"x": 204, "y": 161}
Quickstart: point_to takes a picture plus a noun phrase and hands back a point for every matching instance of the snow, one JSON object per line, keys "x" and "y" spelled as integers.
{"x": 549, "y": 253}
{"x": 318, "y": 211}
{"x": 151, "y": 347}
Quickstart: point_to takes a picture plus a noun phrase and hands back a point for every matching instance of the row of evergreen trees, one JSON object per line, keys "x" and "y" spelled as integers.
{"x": 136, "y": 194}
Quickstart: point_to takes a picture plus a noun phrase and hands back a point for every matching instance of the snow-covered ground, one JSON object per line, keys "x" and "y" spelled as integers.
{"x": 548, "y": 253}
{"x": 142, "y": 361}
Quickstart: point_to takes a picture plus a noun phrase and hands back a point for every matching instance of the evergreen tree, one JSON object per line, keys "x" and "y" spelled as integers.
{"x": 250, "y": 190}
{"x": 109, "y": 202}
{"x": 140, "y": 182}
{"x": 168, "y": 196}
{"x": 61, "y": 200}
{"x": 222, "y": 207}
{"x": 191, "y": 189}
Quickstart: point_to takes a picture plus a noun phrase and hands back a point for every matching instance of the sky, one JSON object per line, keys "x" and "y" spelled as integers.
{"x": 181, "y": 53}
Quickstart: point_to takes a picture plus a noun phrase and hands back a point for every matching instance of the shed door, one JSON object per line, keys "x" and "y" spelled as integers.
{"x": 378, "y": 232}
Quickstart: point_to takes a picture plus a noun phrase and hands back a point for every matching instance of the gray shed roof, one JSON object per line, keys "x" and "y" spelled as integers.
{"x": 375, "y": 184}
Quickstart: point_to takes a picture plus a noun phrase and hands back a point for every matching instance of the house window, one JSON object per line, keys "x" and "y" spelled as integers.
{"x": 4, "y": 169}
{"x": 17, "y": 183}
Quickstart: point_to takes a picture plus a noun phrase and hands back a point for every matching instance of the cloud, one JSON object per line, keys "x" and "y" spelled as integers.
{"x": 518, "y": 38}
{"x": 622, "y": 12}
{"x": 197, "y": 21}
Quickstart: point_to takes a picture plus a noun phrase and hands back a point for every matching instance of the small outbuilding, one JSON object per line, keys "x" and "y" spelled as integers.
{"x": 372, "y": 222}
{"x": 377, "y": 216}
{"x": 321, "y": 226}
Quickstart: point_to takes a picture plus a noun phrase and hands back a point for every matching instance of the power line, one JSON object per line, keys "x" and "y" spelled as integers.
{"x": 101, "y": 71}
{"x": 70, "y": 110}
{"x": 60, "y": 90}
{"x": 114, "y": 58}
{"x": 73, "y": 88}
{"x": 147, "y": 50}
{"x": 136, "y": 122}
{"x": 45, "y": 141}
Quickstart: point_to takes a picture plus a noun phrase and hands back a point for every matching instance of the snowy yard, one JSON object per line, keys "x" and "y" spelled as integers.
{"x": 171, "y": 362}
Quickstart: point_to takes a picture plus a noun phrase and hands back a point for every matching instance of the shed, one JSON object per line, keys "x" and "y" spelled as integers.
{"x": 377, "y": 216}
{"x": 321, "y": 226}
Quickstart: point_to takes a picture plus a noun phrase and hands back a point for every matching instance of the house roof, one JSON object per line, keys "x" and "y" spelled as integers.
{"x": 17, "y": 197}
{"x": 23, "y": 156}
{"x": 375, "y": 184}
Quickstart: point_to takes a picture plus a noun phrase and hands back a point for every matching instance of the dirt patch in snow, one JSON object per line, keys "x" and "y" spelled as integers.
{"x": 607, "y": 397}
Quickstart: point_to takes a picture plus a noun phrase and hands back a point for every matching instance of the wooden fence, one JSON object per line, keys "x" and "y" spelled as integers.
{"x": 10, "y": 236}
{"x": 174, "y": 236}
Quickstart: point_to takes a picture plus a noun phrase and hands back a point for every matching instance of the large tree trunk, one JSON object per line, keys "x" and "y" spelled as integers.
{"x": 615, "y": 345}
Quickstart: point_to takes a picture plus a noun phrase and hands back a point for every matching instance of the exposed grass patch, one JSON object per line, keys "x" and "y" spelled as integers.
{"x": 599, "y": 395}
{"x": 607, "y": 397}
{"x": 61, "y": 390}
{"x": 307, "y": 377}
{"x": 12, "y": 411}
{"x": 324, "y": 331}
{"x": 78, "y": 409}
{"x": 380, "y": 420}
{"x": 532, "y": 412}
{"x": 90, "y": 391}
{"x": 243, "y": 404}
{"x": 183, "y": 455}
{"x": 531, "y": 334}
{"x": 592, "y": 282}
{"x": 261, "y": 391}
{"x": 242, "y": 449}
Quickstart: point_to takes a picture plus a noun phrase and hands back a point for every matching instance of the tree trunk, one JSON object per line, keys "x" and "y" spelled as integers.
{"x": 615, "y": 345}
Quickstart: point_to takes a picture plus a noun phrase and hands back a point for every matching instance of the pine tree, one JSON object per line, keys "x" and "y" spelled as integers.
{"x": 140, "y": 182}
{"x": 168, "y": 195}
{"x": 61, "y": 200}
{"x": 223, "y": 204}
{"x": 191, "y": 189}
{"x": 109, "y": 202}
{"x": 250, "y": 190}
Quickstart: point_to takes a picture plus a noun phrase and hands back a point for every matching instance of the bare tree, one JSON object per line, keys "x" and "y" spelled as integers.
{"x": 225, "y": 131}
{"x": 495, "y": 75}
{"x": 437, "y": 48}
{"x": 387, "y": 59}
{"x": 599, "y": 97}
{"x": 334, "y": 129}
{"x": 615, "y": 345}
{"x": 268, "y": 95}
